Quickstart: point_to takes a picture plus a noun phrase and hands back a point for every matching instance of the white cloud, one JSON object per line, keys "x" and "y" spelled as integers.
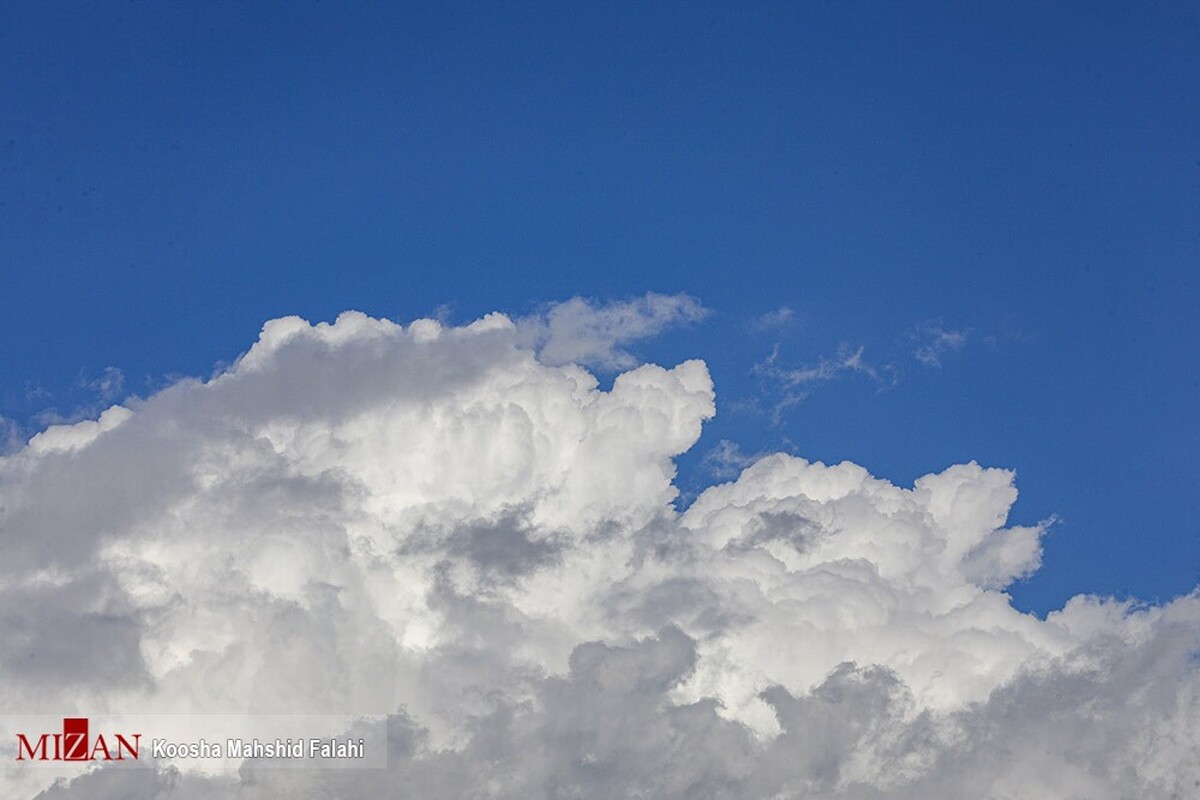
{"x": 67, "y": 437}
{"x": 582, "y": 332}
{"x": 441, "y": 524}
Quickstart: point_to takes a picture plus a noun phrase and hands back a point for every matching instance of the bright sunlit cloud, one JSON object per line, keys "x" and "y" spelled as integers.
{"x": 456, "y": 527}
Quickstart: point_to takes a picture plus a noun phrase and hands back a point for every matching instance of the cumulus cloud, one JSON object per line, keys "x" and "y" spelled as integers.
{"x": 456, "y": 527}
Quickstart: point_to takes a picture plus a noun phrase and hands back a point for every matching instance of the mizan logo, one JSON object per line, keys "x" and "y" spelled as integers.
{"x": 74, "y": 744}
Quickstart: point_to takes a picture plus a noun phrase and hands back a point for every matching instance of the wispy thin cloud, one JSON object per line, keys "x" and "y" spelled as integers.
{"x": 11, "y": 437}
{"x": 932, "y": 340}
{"x": 778, "y": 319}
{"x": 794, "y": 384}
{"x": 108, "y": 386}
{"x": 726, "y": 460}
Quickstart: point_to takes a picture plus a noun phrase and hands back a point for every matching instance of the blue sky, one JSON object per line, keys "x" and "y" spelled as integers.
{"x": 1028, "y": 177}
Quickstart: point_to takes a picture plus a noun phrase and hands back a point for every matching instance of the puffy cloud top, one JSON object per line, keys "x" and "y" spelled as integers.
{"x": 457, "y": 527}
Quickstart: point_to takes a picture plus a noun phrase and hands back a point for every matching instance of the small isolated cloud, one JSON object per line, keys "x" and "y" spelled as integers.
{"x": 726, "y": 460}
{"x": 779, "y": 319}
{"x": 794, "y": 384}
{"x": 448, "y": 527}
{"x": 932, "y": 341}
{"x": 108, "y": 386}
{"x": 583, "y": 332}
